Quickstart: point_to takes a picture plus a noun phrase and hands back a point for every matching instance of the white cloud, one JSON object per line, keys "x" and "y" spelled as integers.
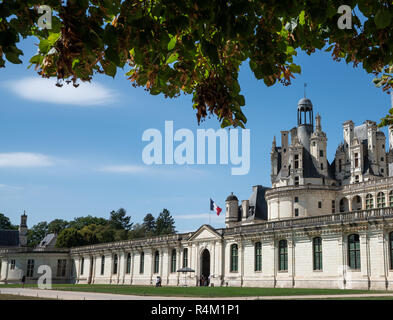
{"x": 24, "y": 159}
{"x": 45, "y": 90}
{"x": 129, "y": 169}
{"x": 171, "y": 171}
{"x": 7, "y": 187}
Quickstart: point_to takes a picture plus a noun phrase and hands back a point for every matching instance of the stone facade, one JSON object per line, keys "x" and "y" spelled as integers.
{"x": 320, "y": 225}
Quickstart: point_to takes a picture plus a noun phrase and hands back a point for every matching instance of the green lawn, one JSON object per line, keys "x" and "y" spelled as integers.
{"x": 198, "y": 291}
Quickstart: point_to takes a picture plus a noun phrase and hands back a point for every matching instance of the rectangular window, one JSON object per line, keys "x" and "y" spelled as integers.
{"x": 115, "y": 264}
{"x": 296, "y": 161}
{"x": 354, "y": 251}
{"x": 296, "y": 212}
{"x": 128, "y": 268}
{"x": 142, "y": 262}
{"x": 82, "y": 265}
{"x": 296, "y": 181}
{"x": 283, "y": 255}
{"x": 30, "y": 268}
{"x": 61, "y": 267}
{"x": 12, "y": 266}
{"x": 333, "y": 206}
{"x": 319, "y": 204}
{"x": 173, "y": 261}
{"x": 102, "y": 265}
{"x": 317, "y": 253}
{"x": 356, "y": 160}
{"x": 296, "y": 199}
{"x": 321, "y": 153}
{"x": 234, "y": 258}
{"x": 258, "y": 256}
{"x": 185, "y": 258}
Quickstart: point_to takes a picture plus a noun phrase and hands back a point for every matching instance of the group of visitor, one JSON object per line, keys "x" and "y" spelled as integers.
{"x": 204, "y": 281}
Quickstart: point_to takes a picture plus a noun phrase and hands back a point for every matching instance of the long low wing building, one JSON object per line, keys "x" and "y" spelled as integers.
{"x": 320, "y": 225}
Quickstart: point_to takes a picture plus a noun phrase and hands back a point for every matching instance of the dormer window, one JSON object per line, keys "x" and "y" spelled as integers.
{"x": 356, "y": 160}
{"x": 296, "y": 161}
{"x": 296, "y": 181}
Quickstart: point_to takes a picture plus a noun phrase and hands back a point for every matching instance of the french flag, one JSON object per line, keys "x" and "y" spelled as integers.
{"x": 214, "y": 207}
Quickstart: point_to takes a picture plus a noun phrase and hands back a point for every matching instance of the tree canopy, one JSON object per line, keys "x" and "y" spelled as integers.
{"x": 5, "y": 223}
{"x": 196, "y": 47}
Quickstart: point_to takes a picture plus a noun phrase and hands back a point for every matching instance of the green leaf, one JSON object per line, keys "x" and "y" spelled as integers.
{"x": 302, "y": 19}
{"x": 172, "y": 58}
{"x": 110, "y": 69}
{"x": 13, "y": 57}
{"x": 44, "y": 46}
{"x": 382, "y": 19}
{"x": 172, "y": 44}
{"x": 295, "y": 68}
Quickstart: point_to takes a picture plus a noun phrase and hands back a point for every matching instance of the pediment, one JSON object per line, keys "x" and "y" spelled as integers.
{"x": 205, "y": 232}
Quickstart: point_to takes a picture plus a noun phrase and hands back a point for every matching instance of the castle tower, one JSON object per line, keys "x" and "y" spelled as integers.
{"x": 318, "y": 147}
{"x": 23, "y": 230}
{"x": 231, "y": 210}
{"x": 305, "y": 122}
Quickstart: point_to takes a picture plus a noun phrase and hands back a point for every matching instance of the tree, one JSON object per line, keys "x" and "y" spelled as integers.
{"x": 196, "y": 47}
{"x": 36, "y": 233}
{"x": 68, "y": 238}
{"x": 89, "y": 234}
{"x": 5, "y": 223}
{"x": 57, "y": 225}
{"x": 137, "y": 231}
{"x": 149, "y": 224}
{"x": 81, "y": 222}
{"x": 165, "y": 224}
{"x": 119, "y": 219}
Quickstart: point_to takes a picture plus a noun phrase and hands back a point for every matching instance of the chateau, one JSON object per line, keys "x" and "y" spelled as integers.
{"x": 321, "y": 225}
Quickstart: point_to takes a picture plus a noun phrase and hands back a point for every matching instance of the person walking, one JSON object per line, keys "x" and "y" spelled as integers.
{"x": 23, "y": 281}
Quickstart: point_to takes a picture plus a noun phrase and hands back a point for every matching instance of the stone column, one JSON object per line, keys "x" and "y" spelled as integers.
{"x": 363, "y": 197}
{"x": 241, "y": 244}
{"x": 132, "y": 266}
{"x": 349, "y": 198}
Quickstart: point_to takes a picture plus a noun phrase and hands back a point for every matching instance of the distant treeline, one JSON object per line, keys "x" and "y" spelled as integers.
{"x": 92, "y": 230}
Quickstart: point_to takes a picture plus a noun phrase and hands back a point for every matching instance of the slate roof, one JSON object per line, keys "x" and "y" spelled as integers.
{"x": 9, "y": 238}
{"x": 49, "y": 240}
{"x": 258, "y": 201}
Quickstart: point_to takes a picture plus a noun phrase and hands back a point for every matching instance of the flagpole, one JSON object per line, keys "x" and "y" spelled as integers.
{"x": 209, "y": 216}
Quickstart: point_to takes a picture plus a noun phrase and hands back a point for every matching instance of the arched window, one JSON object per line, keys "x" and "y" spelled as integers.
{"x": 156, "y": 262}
{"x": 173, "y": 261}
{"x": 234, "y": 258}
{"x": 102, "y": 265}
{"x": 258, "y": 256}
{"x": 115, "y": 260}
{"x": 369, "y": 201}
{"x": 354, "y": 251}
{"x": 391, "y": 250}
{"x": 128, "y": 267}
{"x": 381, "y": 203}
{"x": 283, "y": 255}
{"x": 185, "y": 258}
{"x": 317, "y": 253}
{"x": 142, "y": 262}
{"x": 391, "y": 198}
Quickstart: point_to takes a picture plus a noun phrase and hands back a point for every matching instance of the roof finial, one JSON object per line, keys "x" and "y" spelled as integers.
{"x": 305, "y": 85}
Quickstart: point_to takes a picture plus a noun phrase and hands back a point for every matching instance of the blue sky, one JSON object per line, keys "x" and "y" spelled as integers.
{"x": 55, "y": 154}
